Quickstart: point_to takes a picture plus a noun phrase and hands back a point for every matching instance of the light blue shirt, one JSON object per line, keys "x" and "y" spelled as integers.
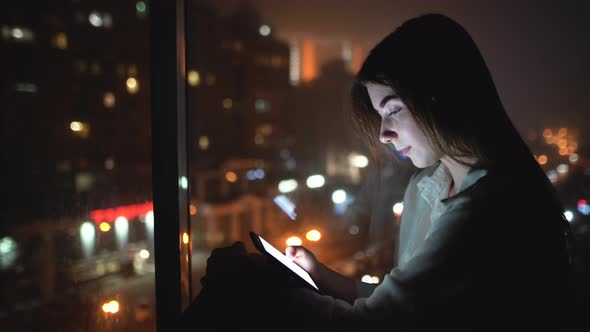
{"x": 428, "y": 225}
{"x": 425, "y": 200}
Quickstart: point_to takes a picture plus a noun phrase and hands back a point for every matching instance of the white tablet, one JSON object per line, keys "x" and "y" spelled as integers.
{"x": 266, "y": 248}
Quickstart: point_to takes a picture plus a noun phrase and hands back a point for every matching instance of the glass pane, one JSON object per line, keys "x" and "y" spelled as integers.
{"x": 267, "y": 119}
{"x": 76, "y": 235}
{"x": 268, "y": 96}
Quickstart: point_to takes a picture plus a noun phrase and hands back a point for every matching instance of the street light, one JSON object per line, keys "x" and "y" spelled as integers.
{"x": 358, "y": 160}
{"x": 111, "y": 307}
{"x": 339, "y": 196}
{"x": 313, "y": 235}
{"x": 104, "y": 227}
{"x": 288, "y": 185}
{"x": 294, "y": 241}
{"x": 315, "y": 181}
{"x": 398, "y": 208}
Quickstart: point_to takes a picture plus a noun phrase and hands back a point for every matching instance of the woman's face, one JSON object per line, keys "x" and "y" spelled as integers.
{"x": 399, "y": 127}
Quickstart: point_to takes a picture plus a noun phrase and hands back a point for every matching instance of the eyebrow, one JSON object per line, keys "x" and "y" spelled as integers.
{"x": 386, "y": 99}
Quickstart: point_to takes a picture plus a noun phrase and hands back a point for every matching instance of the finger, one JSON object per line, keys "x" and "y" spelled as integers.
{"x": 298, "y": 252}
{"x": 290, "y": 252}
{"x": 294, "y": 251}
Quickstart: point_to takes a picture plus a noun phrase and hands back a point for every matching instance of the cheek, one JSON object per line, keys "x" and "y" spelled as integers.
{"x": 424, "y": 153}
{"x": 417, "y": 137}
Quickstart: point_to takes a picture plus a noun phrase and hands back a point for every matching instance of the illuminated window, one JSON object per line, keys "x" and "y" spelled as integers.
{"x": 84, "y": 181}
{"x": 231, "y": 176}
{"x": 193, "y": 209}
{"x": 294, "y": 63}
{"x": 309, "y": 61}
{"x": 227, "y": 103}
{"x": 562, "y": 168}
{"x": 542, "y": 159}
{"x": 25, "y": 87}
{"x": 264, "y": 30}
{"x": 109, "y": 100}
{"x": 264, "y": 129}
{"x": 100, "y": 20}
{"x": 60, "y": 41}
{"x": 95, "y": 19}
{"x": 258, "y": 139}
{"x": 17, "y": 34}
{"x": 141, "y": 9}
{"x": 80, "y": 129}
{"x": 261, "y": 105}
{"x": 193, "y": 78}
{"x": 109, "y": 163}
{"x": 132, "y": 85}
{"x": 203, "y": 142}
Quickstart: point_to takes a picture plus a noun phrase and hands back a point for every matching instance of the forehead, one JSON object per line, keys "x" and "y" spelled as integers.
{"x": 377, "y": 92}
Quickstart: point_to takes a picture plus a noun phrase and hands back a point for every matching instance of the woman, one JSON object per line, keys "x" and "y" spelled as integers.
{"x": 481, "y": 242}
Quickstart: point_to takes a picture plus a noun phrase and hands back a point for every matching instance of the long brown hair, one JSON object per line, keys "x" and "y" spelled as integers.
{"x": 435, "y": 67}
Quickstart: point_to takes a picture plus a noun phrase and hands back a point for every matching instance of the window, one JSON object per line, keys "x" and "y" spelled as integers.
{"x": 277, "y": 139}
{"x": 76, "y": 245}
{"x": 17, "y": 34}
{"x": 242, "y": 110}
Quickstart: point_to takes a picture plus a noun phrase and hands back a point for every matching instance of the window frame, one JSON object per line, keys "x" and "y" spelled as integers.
{"x": 170, "y": 185}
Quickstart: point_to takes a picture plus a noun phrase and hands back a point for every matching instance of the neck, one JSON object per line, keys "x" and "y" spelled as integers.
{"x": 458, "y": 172}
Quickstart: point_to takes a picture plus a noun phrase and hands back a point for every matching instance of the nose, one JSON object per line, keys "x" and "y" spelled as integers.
{"x": 387, "y": 136}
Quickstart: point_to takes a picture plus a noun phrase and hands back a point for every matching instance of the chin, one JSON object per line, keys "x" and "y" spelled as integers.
{"x": 421, "y": 163}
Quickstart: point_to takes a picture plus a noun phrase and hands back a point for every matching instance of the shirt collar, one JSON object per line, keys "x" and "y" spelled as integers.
{"x": 435, "y": 185}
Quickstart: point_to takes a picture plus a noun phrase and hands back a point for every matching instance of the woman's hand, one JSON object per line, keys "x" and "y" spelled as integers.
{"x": 304, "y": 258}
{"x": 329, "y": 281}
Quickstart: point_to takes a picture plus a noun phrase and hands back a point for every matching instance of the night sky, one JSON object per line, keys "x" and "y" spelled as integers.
{"x": 537, "y": 51}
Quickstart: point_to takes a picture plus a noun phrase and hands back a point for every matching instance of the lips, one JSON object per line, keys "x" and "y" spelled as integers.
{"x": 405, "y": 150}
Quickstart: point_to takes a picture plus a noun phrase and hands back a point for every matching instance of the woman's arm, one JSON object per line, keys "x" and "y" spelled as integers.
{"x": 335, "y": 284}
{"x": 439, "y": 273}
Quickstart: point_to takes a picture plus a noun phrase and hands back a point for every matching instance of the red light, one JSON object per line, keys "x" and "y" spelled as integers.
{"x": 582, "y": 203}
{"x": 97, "y": 216}
{"x": 128, "y": 211}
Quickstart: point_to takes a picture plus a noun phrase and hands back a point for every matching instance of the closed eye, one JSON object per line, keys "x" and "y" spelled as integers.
{"x": 395, "y": 111}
